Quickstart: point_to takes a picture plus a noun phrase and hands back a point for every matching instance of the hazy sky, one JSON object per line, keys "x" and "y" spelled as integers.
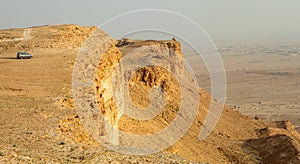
{"x": 221, "y": 19}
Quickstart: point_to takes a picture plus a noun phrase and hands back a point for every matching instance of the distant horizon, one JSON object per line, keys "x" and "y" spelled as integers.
{"x": 224, "y": 21}
{"x": 217, "y": 41}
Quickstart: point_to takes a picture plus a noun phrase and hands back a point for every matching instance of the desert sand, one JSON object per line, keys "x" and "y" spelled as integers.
{"x": 262, "y": 83}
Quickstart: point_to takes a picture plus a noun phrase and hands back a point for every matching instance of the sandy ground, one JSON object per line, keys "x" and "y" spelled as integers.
{"x": 262, "y": 85}
{"x": 33, "y": 113}
{"x": 28, "y": 93}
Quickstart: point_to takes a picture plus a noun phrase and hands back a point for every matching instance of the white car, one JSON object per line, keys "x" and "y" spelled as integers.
{"x": 24, "y": 55}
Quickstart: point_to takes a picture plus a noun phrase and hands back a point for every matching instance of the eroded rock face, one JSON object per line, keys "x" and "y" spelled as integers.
{"x": 141, "y": 80}
{"x": 259, "y": 140}
{"x": 103, "y": 83}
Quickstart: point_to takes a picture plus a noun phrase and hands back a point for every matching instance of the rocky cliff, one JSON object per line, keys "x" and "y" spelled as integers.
{"x": 236, "y": 139}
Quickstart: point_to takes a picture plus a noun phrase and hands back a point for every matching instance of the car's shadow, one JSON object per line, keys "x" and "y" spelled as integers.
{"x": 9, "y": 58}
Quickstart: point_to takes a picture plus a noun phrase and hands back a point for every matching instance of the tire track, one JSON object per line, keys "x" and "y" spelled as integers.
{"x": 26, "y": 36}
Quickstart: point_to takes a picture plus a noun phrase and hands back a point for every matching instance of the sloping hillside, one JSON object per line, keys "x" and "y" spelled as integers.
{"x": 231, "y": 140}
